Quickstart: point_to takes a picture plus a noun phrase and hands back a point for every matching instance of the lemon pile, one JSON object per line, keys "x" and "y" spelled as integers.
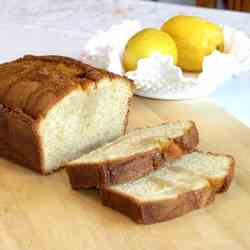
{"x": 188, "y": 39}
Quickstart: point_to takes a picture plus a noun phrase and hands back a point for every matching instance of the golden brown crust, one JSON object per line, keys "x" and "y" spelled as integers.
{"x": 228, "y": 179}
{"x": 29, "y": 87}
{"x": 113, "y": 172}
{"x": 35, "y": 83}
{"x": 19, "y": 140}
{"x": 157, "y": 211}
{"x": 185, "y": 142}
{"x": 127, "y": 115}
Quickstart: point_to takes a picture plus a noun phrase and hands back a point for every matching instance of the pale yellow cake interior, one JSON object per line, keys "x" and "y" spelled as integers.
{"x": 137, "y": 141}
{"x": 83, "y": 120}
{"x": 190, "y": 172}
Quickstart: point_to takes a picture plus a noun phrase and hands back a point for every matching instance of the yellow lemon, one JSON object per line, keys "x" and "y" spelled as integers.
{"x": 146, "y": 42}
{"x": 195, "y": 38}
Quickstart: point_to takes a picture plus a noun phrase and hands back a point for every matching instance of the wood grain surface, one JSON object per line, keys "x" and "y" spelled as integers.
{"x": 43, "y": 213}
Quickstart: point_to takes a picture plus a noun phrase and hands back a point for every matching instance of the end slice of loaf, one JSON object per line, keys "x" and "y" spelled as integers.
{"x": 133, "y": 155}
{"x": 186, "y": 184}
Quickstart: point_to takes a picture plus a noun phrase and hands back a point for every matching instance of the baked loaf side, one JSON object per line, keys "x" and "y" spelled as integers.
{"x": 53, "y": 108}
{"x": 172, "y": 191}
{"x": 133, "y": 155}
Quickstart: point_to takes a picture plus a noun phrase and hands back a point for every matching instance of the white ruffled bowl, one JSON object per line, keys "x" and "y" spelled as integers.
{"x": 157, "y": 76}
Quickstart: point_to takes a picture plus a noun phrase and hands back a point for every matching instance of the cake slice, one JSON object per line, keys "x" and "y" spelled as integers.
{"x": 162, "y": 195}
{"x": 133, "y": 155}
{"x": 188, "y": 183}
{"x": 53, "y": 109}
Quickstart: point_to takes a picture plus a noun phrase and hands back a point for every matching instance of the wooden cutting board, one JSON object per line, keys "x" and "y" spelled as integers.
{"x": 43, "y": 213}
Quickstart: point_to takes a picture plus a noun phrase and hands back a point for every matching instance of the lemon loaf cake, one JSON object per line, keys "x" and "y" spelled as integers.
{"x": 53, "y": 108}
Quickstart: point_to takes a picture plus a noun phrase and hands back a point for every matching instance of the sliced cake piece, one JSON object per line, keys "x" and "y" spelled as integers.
{"x": 217, "y": 169}
{"x": 187, "y": 184}
{"x": 162, "y": 195}
{"x": 133, "y": 155}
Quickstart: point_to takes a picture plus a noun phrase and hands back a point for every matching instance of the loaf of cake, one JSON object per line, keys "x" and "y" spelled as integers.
{"x": 133, "y": 155}
{"x": 53, "y": 109}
